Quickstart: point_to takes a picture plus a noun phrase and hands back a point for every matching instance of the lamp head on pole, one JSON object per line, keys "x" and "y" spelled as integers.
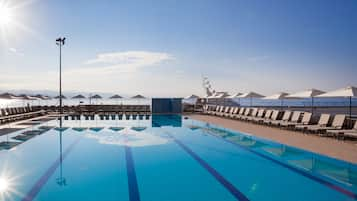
{"x": 60, "y": 41}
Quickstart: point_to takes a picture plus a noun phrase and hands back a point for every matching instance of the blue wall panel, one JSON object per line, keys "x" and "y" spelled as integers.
{"x": 166, "y": 105}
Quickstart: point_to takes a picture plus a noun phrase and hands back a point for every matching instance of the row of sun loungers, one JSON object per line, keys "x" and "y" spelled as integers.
{"x": 97, "y": 109}
{"x": 18, "y": 113}
{"x": 327, "y": 125}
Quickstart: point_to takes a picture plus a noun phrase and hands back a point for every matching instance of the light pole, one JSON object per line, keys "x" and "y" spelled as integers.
{"x": 60, "y": 43}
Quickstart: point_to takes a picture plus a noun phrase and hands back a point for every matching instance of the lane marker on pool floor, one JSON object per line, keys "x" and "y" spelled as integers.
{"x": 294, "y": 169}
{"x": 134, "y": 194}
{"x": 43, "y": 180}
{"x": 228, "y": 185}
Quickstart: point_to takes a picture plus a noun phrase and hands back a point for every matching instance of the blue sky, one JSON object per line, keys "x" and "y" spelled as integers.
{"x": 162, "y": 48}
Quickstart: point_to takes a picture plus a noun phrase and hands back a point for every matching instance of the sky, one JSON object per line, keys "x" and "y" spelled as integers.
{"x": 163, "y": 48}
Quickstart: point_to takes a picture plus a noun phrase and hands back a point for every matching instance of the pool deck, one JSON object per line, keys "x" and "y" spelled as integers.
{"x": 343, "y": 150}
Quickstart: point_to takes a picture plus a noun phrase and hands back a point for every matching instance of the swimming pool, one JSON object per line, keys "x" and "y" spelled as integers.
{"x": 166, "y": 158}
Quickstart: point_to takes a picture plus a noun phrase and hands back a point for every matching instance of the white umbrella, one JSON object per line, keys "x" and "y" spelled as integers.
{"x": 347, "y": 92}
{"x": 8, "y": 96}
{"x": 193, "y": 96}
{"x": 251, "y": 95}
{"x": 79, "y": 97}
{"x": 138, "y": 97}
{"x": 192, "y": 100}
{"x": 116, "y": 97}
{"x": 234, "y": 95}
{"x": 309, "y": 93}
{"x": 279, "y": 96}
{"x": 221, "y": 95}
{"x": 96, "y": 97}
{"x": 63, "y": 97}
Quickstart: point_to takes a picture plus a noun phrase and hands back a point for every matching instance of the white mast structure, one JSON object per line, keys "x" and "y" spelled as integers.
{"x": 207, "y": 87}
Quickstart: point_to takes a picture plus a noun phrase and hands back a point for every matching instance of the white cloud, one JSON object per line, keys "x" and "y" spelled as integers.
{"x": 130, "y": 138}
{"x": 16, "y": 51}
{"x": 128, "y": 61}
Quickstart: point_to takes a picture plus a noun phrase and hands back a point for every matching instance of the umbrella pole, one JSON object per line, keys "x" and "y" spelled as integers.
{"x": 312, "y": 105}
{"x": 350, "y": 106}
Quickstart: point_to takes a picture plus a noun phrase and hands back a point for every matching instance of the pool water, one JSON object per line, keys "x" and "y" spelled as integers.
{"x": 164, "y": 158}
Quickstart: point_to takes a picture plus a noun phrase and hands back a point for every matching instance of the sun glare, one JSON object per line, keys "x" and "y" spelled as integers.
{"x": 6, "y": 15}
{"x": 4, "y": 185}
{"x": 7, "y": 185}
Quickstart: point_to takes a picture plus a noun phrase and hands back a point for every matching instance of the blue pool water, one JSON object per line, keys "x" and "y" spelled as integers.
{"x": 166, "y": 158}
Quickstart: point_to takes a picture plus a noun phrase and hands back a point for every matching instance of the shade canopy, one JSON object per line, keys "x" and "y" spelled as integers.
{"x": 193, "y": 96}
{"x": 138, "y": 96}
{"x": 116, "y": 96}
{"x": 278, "y": 96}
{"x": 80, "y": 96}
{"x": 251, "y": 95}
{"x": 221, "y": 95}
{"x": 349, "y": 91}
{"x": 96, "y": 96}
{"x": 236, "y": 95}
{"x": 63, "y": 97}
{"x": 306, "y": 94}
{"x": 8, "y": 96}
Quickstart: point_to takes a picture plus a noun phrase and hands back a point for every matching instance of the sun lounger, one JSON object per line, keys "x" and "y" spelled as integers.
{"x": 323, "y": 121}
{"x": 224, "y": 112}
{"x": 247, "y": 111}
{"x": 212, "y": 110}
{"x": 294, "y": 120}
{"x": 274, "y": 117}
{"x": 286, "y": 118}
{"x": 266, "y": 116}
{"x": 253, "y": 115}
{"x": 218, "y": 109}
{"x": 350, "y": 135}
{"x": 345, "y": 132}
{"x": 240, "y": 113}
{"x": 235, "y": 111}
{"x": 259, "y": 115}
{"x": 228, "y": 114}
{"x": 337, "y": 124}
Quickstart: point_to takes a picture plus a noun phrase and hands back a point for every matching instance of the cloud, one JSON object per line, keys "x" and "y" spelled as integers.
{"x": 128, "y": 61}
{"x": 130, "y": 138}
{"x": 15, "y": 51}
